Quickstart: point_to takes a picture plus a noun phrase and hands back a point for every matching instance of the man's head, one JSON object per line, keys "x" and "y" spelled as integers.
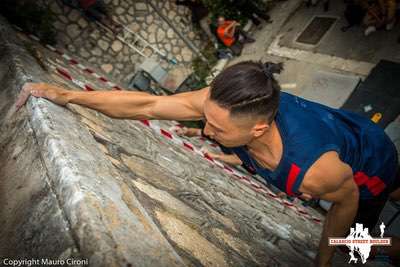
{"x": 221, "y": 20}
{"x": 243, "y": 102}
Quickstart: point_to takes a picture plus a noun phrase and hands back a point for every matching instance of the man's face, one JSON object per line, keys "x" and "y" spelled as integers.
{"x": 221, "y": 21}
{"x": 230, "y": 131}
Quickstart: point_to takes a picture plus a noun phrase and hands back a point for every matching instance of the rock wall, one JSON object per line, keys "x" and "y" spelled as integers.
{"x": 81, "y": 36}
{"x": 77, "y": 184}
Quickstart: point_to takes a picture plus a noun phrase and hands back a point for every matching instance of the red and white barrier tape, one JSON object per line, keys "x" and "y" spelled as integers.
{"x": 254, "y": 185}
{"x": 65, "y": 74}
{"x": 72, "y": 61}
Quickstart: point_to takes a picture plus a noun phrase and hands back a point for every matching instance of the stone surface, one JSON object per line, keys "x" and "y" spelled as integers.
{"x": 149, "y": 19}
{"x": 83, "y": 52}
{"x": 186, "y": 54}
{"x": 131, "y": 11}
{"x": 152, "y": 38}
{"x": 59, "y": 25}
{"x": 192, "y": 35}
{"x": 71, "y": 48}
{"x": 134, "y": 27}
{"x": 119, "y": 66}
{"x": 82, "y": 23}
{"x": 152, "y": 28}
{"x": 176, "y": 50}
{"x": 74, "y": 15}
{"x": 103, "y": 44}
{"x": 73, "y": 30}
{"x": 170, "y": 33}
{"x": 140, "y": 6}
{"x": 63, "y": 19}
{"x": 96, "y": 51}
{"x": 160, "y": 35}
{"x": 107, "y": 68}
{"x": 55, "y": 8}
{"x": 119, "y": 10}
{"x": 144, "y": 34}
{"x": 116, "y": 46}
{"x": 64, "y": 37}
{"x": 171, "y": 14}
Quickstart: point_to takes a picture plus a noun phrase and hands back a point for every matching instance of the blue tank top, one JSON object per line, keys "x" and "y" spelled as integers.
{"x": 309, "y": 130}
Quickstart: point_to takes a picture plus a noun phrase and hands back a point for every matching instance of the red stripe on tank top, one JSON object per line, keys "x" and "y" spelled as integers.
{"x": 293, "y": 173}
{"x": 374, "y": 184}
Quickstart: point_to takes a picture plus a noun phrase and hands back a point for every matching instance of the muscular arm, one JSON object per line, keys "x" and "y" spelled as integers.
{"x": 332, "y": 180}
{"x": 123, "y": 104}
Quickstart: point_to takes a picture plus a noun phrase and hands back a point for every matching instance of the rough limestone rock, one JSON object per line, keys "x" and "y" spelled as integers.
{"x": 77, "y": 184}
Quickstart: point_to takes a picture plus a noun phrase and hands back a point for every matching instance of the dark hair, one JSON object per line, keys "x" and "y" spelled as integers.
{"x": 248, "y": 88}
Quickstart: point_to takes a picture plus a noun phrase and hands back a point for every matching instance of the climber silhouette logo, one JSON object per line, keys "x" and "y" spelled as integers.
{"x": 359, "y": 240}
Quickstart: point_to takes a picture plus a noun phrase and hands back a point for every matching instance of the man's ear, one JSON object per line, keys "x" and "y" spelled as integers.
{"x": 260, "y": 128}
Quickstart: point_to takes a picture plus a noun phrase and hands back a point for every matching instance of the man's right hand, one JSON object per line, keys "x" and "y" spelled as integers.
{"x": 123, "y": 104}
{"x": 53, "y": 93}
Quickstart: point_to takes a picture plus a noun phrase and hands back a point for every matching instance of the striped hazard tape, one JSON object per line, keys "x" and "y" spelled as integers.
{"x": 65, "y": 74}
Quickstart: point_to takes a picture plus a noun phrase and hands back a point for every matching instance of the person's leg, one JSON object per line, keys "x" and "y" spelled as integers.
{"x": 205, "y": 26}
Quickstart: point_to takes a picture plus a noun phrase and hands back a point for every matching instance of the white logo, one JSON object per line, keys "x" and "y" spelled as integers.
{"x": 359, "y": 240}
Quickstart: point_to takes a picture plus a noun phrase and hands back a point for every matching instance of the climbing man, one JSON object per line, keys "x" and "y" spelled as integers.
{"x": 303, "y": 148}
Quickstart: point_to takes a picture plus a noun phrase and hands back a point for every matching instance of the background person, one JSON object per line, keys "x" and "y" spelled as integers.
{"x": 232, "y": 36}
